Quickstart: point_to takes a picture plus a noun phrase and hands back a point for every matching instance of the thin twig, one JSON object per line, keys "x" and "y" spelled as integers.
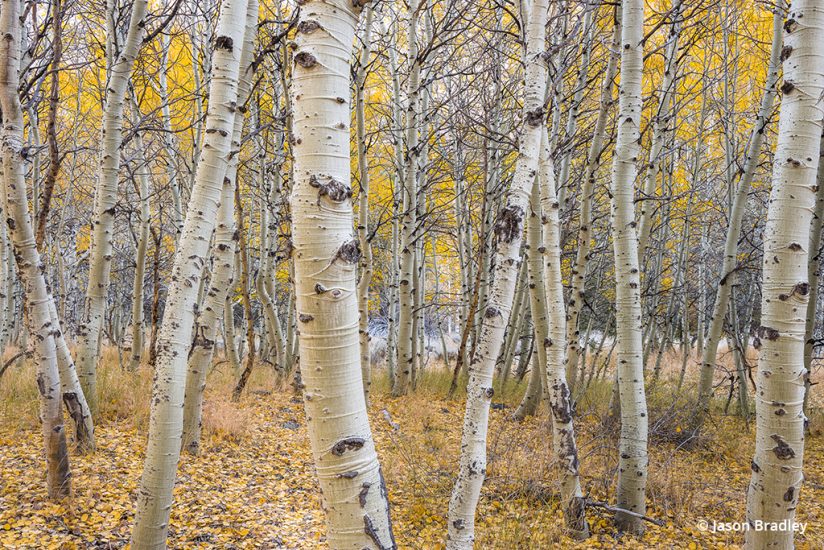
{"x": 615, "y": 509}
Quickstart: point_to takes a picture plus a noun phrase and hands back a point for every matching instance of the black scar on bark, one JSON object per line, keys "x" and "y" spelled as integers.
{"x": 349, "y": 475}
{"x": 369, "y": 529}
{"x": 782, "y": 450}
{"x": 788, "y": 496}
{"x": 385, "y": 496}
{"x": 363, "y": 492}
{"x": 224, "y": 43}
{"x": 305, "y": 317}
{"x": 786, "y": 51}
{"x": 332, "y": 188}
{"x": 755, "y": 468}
{"x": 560, "y": 406}
{"x": 308, "y": 27}
{"x": 510, "y": 223}
{"x": 787, "y": 87}
{"x": 305, "y": 60}
{"x": 349, "y": 251}
{"x": 535, "y": 118}
{"x": 491, "y": 312}
{"x": 350, "y": 443}
{"x": 767, "y": 332}
{"x": 789, "y": 25}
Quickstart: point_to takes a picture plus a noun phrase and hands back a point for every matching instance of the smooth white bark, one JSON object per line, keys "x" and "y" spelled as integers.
{"x": 100, "y": 256}
{"x": 739, "y": 205}
{"x": 509, "y": 229}
{"x": 632, "y": 464}
{"x": 154, "y": 497}
{"x": 325, "y": 256}
{"x": 30, "y": 268}
{"x": 775, "y": 488}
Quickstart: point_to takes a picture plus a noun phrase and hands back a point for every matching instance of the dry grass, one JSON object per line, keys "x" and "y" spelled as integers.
{"x": 518, "y": 508}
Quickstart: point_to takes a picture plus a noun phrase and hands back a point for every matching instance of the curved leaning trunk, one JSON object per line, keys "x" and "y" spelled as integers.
{"x": 100, "y": 260}
{"x": 209, "y": 314}
{"x": 325, "y": 257}
{"x": 509, "y": 231}
{"x": 775, "y": 488}
{"x": 632, "y": 465}
{"x": 154, "y": 497}
{"x": 264, "y": 282}
{"x": 30, "y": 268}
{"x": 722, "y": 295}
{"x": 73, "y": 397}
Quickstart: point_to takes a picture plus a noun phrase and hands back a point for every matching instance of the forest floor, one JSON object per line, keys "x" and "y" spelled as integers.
{"x": 253, "y": 486}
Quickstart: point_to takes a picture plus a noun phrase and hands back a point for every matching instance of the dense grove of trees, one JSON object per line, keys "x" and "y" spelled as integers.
{"x": 342, "y": 190}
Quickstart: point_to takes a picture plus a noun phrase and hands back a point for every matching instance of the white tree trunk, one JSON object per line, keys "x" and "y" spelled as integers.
{"x": 579, "y": 269}
{"x": 154, "y": 497}
{"x": 30, "y": 268}
{"x": 208, "y": 315}
{"x": 509, "y": 230}
{"x": 325, "y": 258}
{"x": 560, "y": 398}
{"x": 814, "y": 275}
{"x": 363, "y": 205}
{"x": 632, "y": 465}
{"x": 660, "y": 126}
{"x": 406, "y": 334}
{"x": 100, "y": 260}
{"x": 138, "y": 321}
{"x": 168, "y": 137}
{"x": 739, "y": 205}
{"x": 777, "y": 476}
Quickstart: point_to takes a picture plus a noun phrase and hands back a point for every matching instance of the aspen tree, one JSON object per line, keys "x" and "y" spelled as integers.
{"x": 775, "y": 488}
{"x": 244, "y": 282}
{"x": 574, "y": 106}
{"x": 751, "y": 161}
{"x": 509, "y": 229}
{"x": 142, "y": 173}
{"x": 363, "y": 204}
{"x": 579, "y": 269}
{"x": 325, "y": 256}
{"x": 29, "y": 264}
{"x": 558, "y": 392}
{"x": 100, "y": 260}
{"x": 632, "y": 465}
{"x": 166, "y": 116}
{"x": 154, "y": 498}
{"x": 660, "y": 125}
{"x": 409, "y": 222}
{"x": 264, "y": 283}
{"x": 534, "y": 252}
{"x": 813, "y": 275}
